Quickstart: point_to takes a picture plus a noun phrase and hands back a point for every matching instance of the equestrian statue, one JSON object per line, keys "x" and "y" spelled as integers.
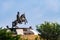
{"x": 19, "y": 19}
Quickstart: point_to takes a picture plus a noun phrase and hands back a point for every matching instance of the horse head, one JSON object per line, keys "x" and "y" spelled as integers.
{"x": 23, "y": 18}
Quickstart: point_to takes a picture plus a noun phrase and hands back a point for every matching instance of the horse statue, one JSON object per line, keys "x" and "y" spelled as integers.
{"x": 19, "y": 19}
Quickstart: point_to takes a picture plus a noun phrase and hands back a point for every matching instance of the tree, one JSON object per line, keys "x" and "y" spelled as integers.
{"x": 49, "y": 31}
{"x": 4, "y": 35}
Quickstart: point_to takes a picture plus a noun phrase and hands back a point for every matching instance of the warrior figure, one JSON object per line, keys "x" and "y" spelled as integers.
{"x": 17, "y": 17}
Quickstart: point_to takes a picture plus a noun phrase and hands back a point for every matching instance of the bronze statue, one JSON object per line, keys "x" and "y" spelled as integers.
{"x": 19, "y": 19}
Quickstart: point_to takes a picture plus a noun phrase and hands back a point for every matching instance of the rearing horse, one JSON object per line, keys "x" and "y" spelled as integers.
{"x": 19, "y": 20}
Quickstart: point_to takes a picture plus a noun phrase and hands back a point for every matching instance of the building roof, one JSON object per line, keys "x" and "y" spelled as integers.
{"x": 16, "y": 27}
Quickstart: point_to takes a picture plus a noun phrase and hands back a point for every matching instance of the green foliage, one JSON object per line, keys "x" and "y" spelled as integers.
{"x": 4, "y": 35}
{"x": 49, "y": 30}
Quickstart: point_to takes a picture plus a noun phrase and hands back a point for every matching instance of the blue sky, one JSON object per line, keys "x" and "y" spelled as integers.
{"x": 36, "y": 11}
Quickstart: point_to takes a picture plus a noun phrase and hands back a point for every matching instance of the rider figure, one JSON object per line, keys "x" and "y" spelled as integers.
{"x": 17, "y": 16}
